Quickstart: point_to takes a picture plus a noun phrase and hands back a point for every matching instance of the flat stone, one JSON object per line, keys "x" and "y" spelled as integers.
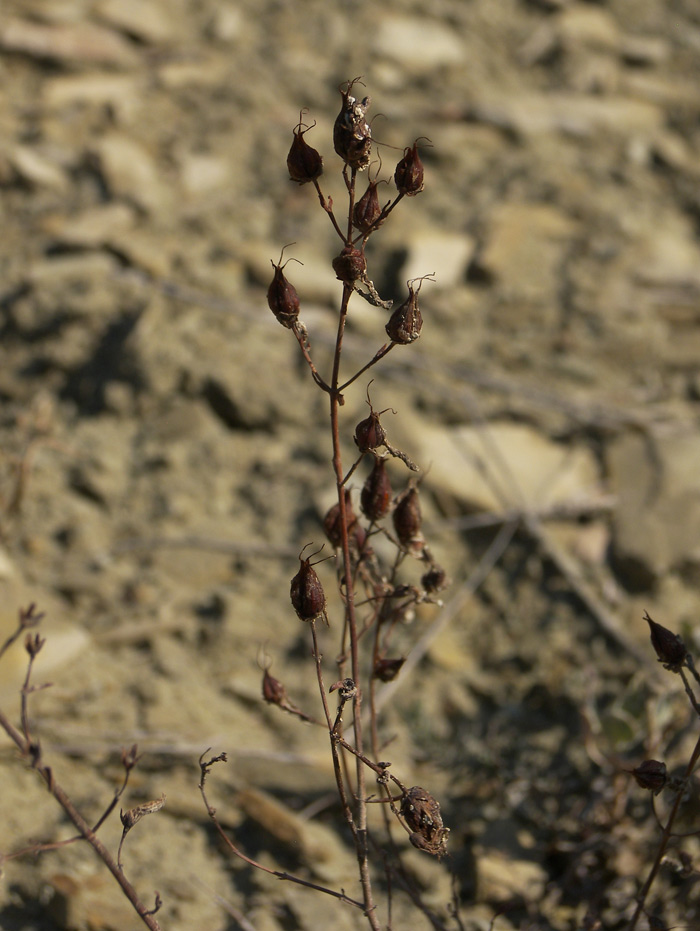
{"x": 658, "y": 486}
{"x": 502, "y": 465}
{"x": 446, "y": 254}
{"x": 420, "y": 44}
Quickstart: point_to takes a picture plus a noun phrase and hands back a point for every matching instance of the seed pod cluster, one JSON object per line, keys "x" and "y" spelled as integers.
{"x": 352, "y": 134}
{"x": 306, "y": 593}
{"x": 282, "y": 298}
{"x": 303, "y": 161}
{"x": 408, "y": 176}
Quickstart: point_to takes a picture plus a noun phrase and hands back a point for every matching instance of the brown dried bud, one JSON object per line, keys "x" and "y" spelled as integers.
{"x": 273, "y": 691}
{"x": 306, "y": 592}
{"x": 651, "y": 774}
{"x": 369, "y": 433}
{"x": 408, "y": 519}
{"x": 408, "y": 176}
{"x": 350, "y": 265}
{"x": 282, "y": 298}
{"x": 421, "y": 812}
{"x": 375, "y": 497}
{"x": 331, "y": 522}
{"x": 669, "y": 647}
{"x": 367, "y": 212}
{"x": 352, "y": 135}
{"x": 387, "y": 670}
{"x": 406, "y": 322}
{"x": 304, "y": 162}
{"x": 434, "y": 580}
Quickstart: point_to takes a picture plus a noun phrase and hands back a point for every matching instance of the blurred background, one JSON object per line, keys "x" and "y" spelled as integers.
{"x": 163, "y": 453}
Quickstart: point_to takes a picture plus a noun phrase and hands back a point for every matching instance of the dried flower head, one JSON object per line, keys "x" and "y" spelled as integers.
{"x": 304, "y": 162}
{"x": 375, "y": 497}
{"x": 306, "y": 592}
{"x": 408, "y": 176}
{"x": 669, "y": 647}
{"x": 282, "y": 297}
{"x": 352, "y": 134}
{"x": 421, "y": 812}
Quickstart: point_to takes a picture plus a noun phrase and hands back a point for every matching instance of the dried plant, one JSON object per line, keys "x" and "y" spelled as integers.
{"x": 374, "y": 596}
{"x": 653, "y": 775}
{"x": 30, "y": 750}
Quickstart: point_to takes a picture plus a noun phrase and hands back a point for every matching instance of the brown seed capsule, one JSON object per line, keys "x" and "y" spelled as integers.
{"x": 369, "y": 433}
{"x": 375, "y": 497}
{"x": 282, "y": 298}
{"x": 408, "y": 519}
{"x": 434, "y": 580}
{"x": 304, "y": 162}
{"x": 306, "y": 592}
{"x": 331, "y": 522}
{"x": 367, "y": 212}
{"x": 406, "y": 322}
{"x": 669, "y": 647}
{"x": 421, "y": 812}
{"x": 350, "y": 265}
{"x": 386, "y": 670}
{"x": 408, "y": 176}
{"x": 651, "y": 774}
{"x": 352, "y": 134}
{"x": 273, "y": 691}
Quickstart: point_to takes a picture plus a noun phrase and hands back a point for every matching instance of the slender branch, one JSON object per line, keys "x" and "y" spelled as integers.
{"x": 280, "y": 874}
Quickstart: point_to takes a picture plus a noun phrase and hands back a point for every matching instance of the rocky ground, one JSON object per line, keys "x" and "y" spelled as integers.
{"x": 164, "y": 454}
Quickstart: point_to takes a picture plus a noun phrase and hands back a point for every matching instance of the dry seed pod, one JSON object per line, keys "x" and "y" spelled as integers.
{"x": 407, "y": 519}
{"x": 669, "y": 647}
{"x": 408, "y": 176}
{"x": 651, "y": 774}
{"x": 369, "y": 433}
{"x": 406, "y": 322}
{"x": 273, "y": 691}
{"x": 421, "y": 812}
{"x": 352, "y": 135}
{"x": 331, "y": 522}
{"x": 304, "y": 162}
{"x": 306, "y": 593}
{"x": 282, "y": 297}
{"x": 375, "y": 497}
{"x": 386, "y": 670}
{"x": 367, "y": 212}
{"x": 350, "y": 266}
{"x": 434, "y": 580}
